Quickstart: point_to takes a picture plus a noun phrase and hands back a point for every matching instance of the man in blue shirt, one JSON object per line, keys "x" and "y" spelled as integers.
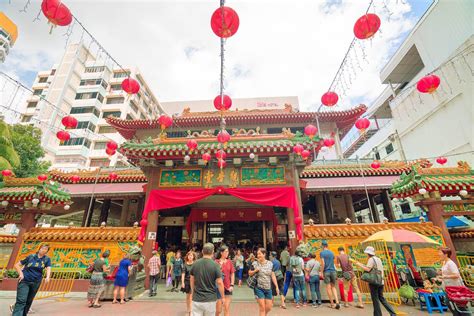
{"x": 30, "y": 277}
{"x": 329, "y": 273}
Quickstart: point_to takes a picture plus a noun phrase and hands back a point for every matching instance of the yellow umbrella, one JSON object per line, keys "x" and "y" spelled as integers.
{"x": 401, "y": 236}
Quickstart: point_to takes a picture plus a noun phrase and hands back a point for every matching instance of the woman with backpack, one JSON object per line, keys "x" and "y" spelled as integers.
{"x": 263, "y": 270}
{"x": 374, "y": 266}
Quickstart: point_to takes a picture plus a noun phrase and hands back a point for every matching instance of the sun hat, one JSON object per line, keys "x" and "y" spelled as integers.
{"x": 370, "y": 251}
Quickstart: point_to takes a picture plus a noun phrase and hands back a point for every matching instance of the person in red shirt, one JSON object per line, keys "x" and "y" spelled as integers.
{"x": 228, "y": 276}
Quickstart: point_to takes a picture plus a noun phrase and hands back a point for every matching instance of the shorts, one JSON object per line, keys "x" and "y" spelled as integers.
{"x": 280, "y": 286}
{"x": 261, "y": 294}
{"x": 330, "y": 277}
{"x": 203, "y": 308}
{"x": 226, "y": 293}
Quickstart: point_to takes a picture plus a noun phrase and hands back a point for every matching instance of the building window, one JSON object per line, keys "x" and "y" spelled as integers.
{"x": 43, "y": 79}
{"x": 37, "y": 91}
{"x": 129, "y": 117}
{"x": 77, "y": 141}
{"x": 100, "y": 145}
{"x": 89, "y": 95}
{"x": 111, "y": 113}
{"x": 115, "y": 100}
{"x": 26, "y": 118}
{"x": 115, "y": 87}
{"x": 53, "y": 71}
{"x": 94, "y": 82}
{"x": 32, "y": 104}
{"x": 85, "y": 110}
{"x": 121, "y": 74}
{"x": 405, "y": 208}
{"x": 86, "y": 125}
{"x": 176, "y": 134}
{"x": 106, "y": 129}
{"x": 142, "y": 116}
{"x": 377, "y": 155}
{"x": 100, "y": 162}
{"x": 274, "y": 130}
{"x": 94, "y": 69}
{"x": 133, "y": 106}
{"x": 389, "y": 148}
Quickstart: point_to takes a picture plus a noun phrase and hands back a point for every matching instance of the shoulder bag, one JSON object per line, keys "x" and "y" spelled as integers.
{"x": 374, "y": 276}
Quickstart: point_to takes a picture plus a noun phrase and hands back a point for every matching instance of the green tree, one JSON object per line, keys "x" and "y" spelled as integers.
{"x": 26, "y": 140}
{"x": 9, "y": 158}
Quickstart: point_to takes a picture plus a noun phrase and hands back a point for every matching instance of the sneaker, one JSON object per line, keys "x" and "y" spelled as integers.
{"x": 315, "y": 305}
{"x": 12, "y": 307}
{"x": 338, "y": 306}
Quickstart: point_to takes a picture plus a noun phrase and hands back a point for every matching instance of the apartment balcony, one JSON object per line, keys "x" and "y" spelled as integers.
{"x": 354, "y": 139}
{"x": 78, "y": 150}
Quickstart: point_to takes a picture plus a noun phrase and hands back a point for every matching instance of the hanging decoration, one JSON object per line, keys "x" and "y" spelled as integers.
{"x": 222, "y": 104}
{"x": 329, "y": 98}
{"x": 305, "y": 154}
{"x": 298, "y": 221}
{"x": 165, "y": 121}
{"x": 63, "y": 136}
{"x": 362, "y": 124}
{"x": 310, "y": 131}
{"x": 7, "y": 173}
{"x": 223, "y": 137}
{"x": 69, "y": 122}
{"x": 42, "y": 177}
{"x": 428, "y": 84}
{"x": 329, "y": 142}
{"x": 221, "y": 154}
{"x": 375, "y": 165}
{"x": 221, "y": 163}
{"x": 206, "y": 157}
{"x": 192, "y": 145}
{"x": 298, "y": 149}
{"x": 111, "y": 145}
{"x": 56, "y": 12}
{"x": 366, "y": 26}
{"x": 224, "y": 22}
{"x": 113, "y": 176}
{"x": 441, "y": 160}
{"x": 75, "y": 178}
{"x": 130, "y": 85}
{"x": 110, "y": 152}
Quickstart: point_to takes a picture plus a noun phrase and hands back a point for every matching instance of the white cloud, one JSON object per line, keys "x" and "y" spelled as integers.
{"x": 281, "y": 48}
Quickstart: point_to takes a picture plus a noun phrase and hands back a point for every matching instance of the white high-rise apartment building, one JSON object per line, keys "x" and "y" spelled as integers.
{"x": 8, "y": 35}
{"x": 90, "y": 90}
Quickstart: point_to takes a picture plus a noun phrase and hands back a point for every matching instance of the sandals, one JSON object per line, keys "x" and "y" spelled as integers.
{"x": 360, "y": 306}
{"x": 283, "y": 306}
{"x": 97, "y": 306}
{"x": 114, "y": 302}
{"x": 122, "y": 302}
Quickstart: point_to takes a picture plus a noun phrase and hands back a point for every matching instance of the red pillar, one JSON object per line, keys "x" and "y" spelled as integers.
{"x": 27, "y": 221}
{"x": 435, "y": 215}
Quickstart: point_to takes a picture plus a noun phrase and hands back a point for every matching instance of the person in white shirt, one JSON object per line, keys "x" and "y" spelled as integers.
{"x": 449, "y": 271}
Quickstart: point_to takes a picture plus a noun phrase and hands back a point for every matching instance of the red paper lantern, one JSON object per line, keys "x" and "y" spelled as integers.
{"x": 428, "y": 84}
{"x": 63, "y": 136}
{"x": 75, "y": 178}
{"x": 113, "y": 176}
{"x": 110, "y": 152}
{"x": 206, "y": 157}
{"x": 221, "y": 163}
{"x": 305, "y": 154}
{"x": 130, "y": 85}
{"x": 221, "y": 154}
{"x": 56, "y": 12}
{"x": 111, "y": 145}
{"x": 362, "y": 124}
{"x": 143, "y": 223}
{"x": 366, "y": 26}
{"x": 298, "y": 149}
{"x": 224, "y": 22}
{"x": 42, "y": 177}
{"x": 375, "y": 165}
{"x": 329, "y": 98}
{"x": 222, "y": 104}
{"x": 298, "y": 220}
{"x": 192, "y": 144}
{"x": 329, "y": 142}
{"x": 310, "y": 131}
{"x": 7, "y": 173}
{"x": 69, "y": 122}
{"x": 223, "y": 137}
{"x": 442, "y": 160}
{"x": 165, "y": 121}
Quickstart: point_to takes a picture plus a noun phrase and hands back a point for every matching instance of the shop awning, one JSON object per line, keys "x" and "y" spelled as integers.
{"x": 347, "y": 183}
{"x": 105, "y": 189}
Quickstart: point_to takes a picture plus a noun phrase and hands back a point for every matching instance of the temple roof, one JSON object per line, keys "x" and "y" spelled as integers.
{"x": 446, "y": 181}
{"x": 356, "y": 169}
{"x": 25, "y": 189}
{"x": 7, "y": 239}
{"x": 127, "y": 175}
{"x": 468, "y": 233}
{"x": 238, "y": 146}
{"x": 343, "y": 119}
{"x": 83, "y": 234}
{"x": 365, "y": 230}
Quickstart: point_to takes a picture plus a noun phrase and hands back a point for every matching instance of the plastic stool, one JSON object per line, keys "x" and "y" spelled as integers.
{"x": 425, "y": 300}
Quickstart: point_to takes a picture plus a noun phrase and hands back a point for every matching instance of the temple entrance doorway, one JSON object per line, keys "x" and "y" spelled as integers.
{"x": 237, "y": 233}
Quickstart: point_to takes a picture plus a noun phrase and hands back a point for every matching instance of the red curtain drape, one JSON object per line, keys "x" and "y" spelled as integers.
{"x": 273, "y": 196}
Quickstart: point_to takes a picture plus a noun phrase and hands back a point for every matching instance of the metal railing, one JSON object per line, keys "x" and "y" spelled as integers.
{"x": 466, "y": 268}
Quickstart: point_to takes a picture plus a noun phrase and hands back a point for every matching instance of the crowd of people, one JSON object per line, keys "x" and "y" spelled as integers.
{"x": 208, "y": 277}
